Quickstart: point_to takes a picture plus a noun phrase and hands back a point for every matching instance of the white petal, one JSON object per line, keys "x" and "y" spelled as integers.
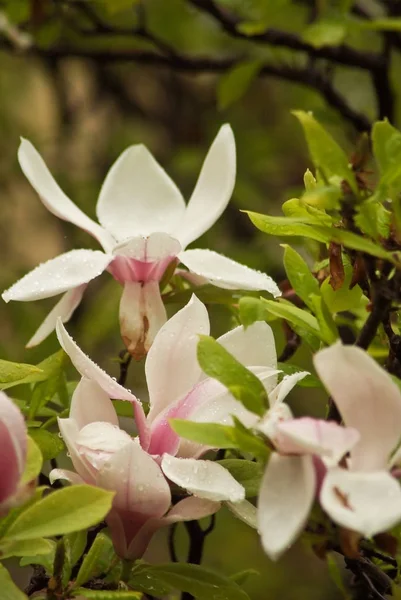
{"x": 70, "y": 476}
{"x": 213, "y": 189}
{"x": 63, "y": 309}
{"x": 142, "y": 314}
{"x": 58, "y": 275}
{"x": 367, "y": 399}
{"x": 285, "y": 386}
{"x": 97, "y": 442}
{"x": 368, "y": 503}
{"x": 154, "y": 248}
{"x": 138, "y": 481}
{"x": 314, "y": 436}
{"x": 87, "y": 368}
{"x": 138, "y": 197}
{"x": 203, "y": 478}
{"x": 172, "y": 367}
{"x": 278, "y": 413}
{"x": 69, "y": 431}
{"x": 244, "y": 511}
{"x": 253, "y": 346}
{"x": 226, "y": 273}
{"x": 285, "y": 499}
{"x": 220, "y": 409}
{"x": 90, "y": 403}
{"x": 53, "y": 197}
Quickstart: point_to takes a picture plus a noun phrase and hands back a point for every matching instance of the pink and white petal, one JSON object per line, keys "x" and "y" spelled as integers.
{"x": 69, "y": 432}
{"x": 63, "y": 309}
{"x": 326, "y": 439}
{"x": 9, "y": 464}
{"x": 142, "y": 314}
{"x": 97, "y": 442}
{"x": 138, "y": 197}
{"x": 368, "y": 503}
{"x": 285, "y": 500}
{"x": 203, "y": 478}
{"x": 226, "y": 273}
{"x": 137, "y": 480}
{"x": 52, "y": 196}
{"x": 16, "y": 429}
{"x": 253, "y": 346}
{"x": 90, "y": 403}
{"x": 87, "y": 368}
{"x": 172, "y": 368}
{"x": 189, "y": 509}
{"x": 213, "y": 189}
{"x": 285, "y": 386}
{"x": 277, "y": 414}
{"x": 154, "y": 248}
{"x": 245, "y": 511}
{"x": 59, "y": 275}
{"x": 367, "y": 399}
{"x": 57, "y": 474}
{"x": 220, "y": 409}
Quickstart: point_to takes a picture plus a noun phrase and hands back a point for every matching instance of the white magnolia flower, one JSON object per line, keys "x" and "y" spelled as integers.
{"x": 145, "y": 226}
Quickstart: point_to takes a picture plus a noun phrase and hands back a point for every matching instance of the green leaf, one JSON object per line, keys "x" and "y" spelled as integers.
{"x": 49, "y": 443}
{"x": 246, "y": 472}
{"x": 63, "y": 511}
{"x": 373, "y": 219}
{"x": 34, "y": 461}
{"x": 114, "y": 7}
{"x": 303, "y": 212}
{"x": 75, "y": 544}
{"x": 9, "y": 591}
{"x": 323, "y": 197}
{"x": 219, "y": 364}
{"x": 300, "y": 276}
{"x": 328, "y": 329}
{"x": 242, "y": 576}
{"x": 200, "y": 582}
{"x": 386, "y": 141}
{"x": 326, "y": 32}
{"x": 97, "y": 560}
{"x": 326, "y": 154}
{"x": 251, "y": 310}
{"x": 44, "y": 370}
{"x": 220, "y": 436}
{"x": 336, "y": 576}
{"x": 294, "y": 315}
{"x": 12, "y": 373}
{"x": 46, "y": 560}
{"x": 342, "y": 299}
{"x": 107, "y": 594}
{"x": 235, "y": 82}
{"x": 26, "y": 547}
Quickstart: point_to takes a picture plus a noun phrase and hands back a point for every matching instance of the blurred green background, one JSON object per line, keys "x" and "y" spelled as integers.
{"x": 81, "y": 114}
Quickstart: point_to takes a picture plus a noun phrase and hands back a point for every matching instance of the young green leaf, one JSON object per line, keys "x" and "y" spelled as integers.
{"x": 49, "y": 443}
{"x": 75, "y": 544}
{"x": 16, "y": 373}
{"x": 328, "y": 329}
{"x": 97, "y": 560}
{"x": 202, "y": 583}
{"x": 253, "y": 309}
{"x": 107, "y": 594}
{"x": 326, "y": 154}
{"x": 219, "y": 364}
{"x": 294, "y": 315}
{"x": 235, "y": 83}
{"x": 300, "y": 276}
{"x": 63, "y": 511}
{"x": 26, "y": 547}
{"x": 33, "y": 464}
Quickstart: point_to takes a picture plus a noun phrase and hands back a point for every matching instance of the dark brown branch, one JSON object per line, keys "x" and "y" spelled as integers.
{"x": 341, "y": 54}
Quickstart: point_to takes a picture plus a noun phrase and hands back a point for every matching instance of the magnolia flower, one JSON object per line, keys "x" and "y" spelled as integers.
{"x": 362, "y": 495}
{"x": 304, "y": 448}
{"x": 144, "y": 228}
{"x": 13, "y": 436}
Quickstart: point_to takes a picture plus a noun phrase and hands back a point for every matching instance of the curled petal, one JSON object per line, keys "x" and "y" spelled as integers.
{"x": 69, "y": 431}
{"x": 253, "y": 346}
{"x": 314, "y": 436}
{"x": 172, "y": 368}
{"x": 213, "y": 189}
{"x": 285, "y": 499}
{"x": 285, "y": 386}
{"x": 245, "y": 512}
{"x": 277, "y": 414}
{"x": 52, "y": 196}
{"x": 13, "y": 447}
{"x": 142, "y": 314}
{"x": 59, "y": 275}
{"x": 63, "y": 310}
{"x": 57, "y": 474}
{"x": 203, "y": 478}
{"x": 226, "y": 273}
{"x": 368, "y": 503}
{"x": 90, "y": 403}
{"x": 87, "y": 368}
{"x": 368, "y": 400}
{"x": 138, "y": 197}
